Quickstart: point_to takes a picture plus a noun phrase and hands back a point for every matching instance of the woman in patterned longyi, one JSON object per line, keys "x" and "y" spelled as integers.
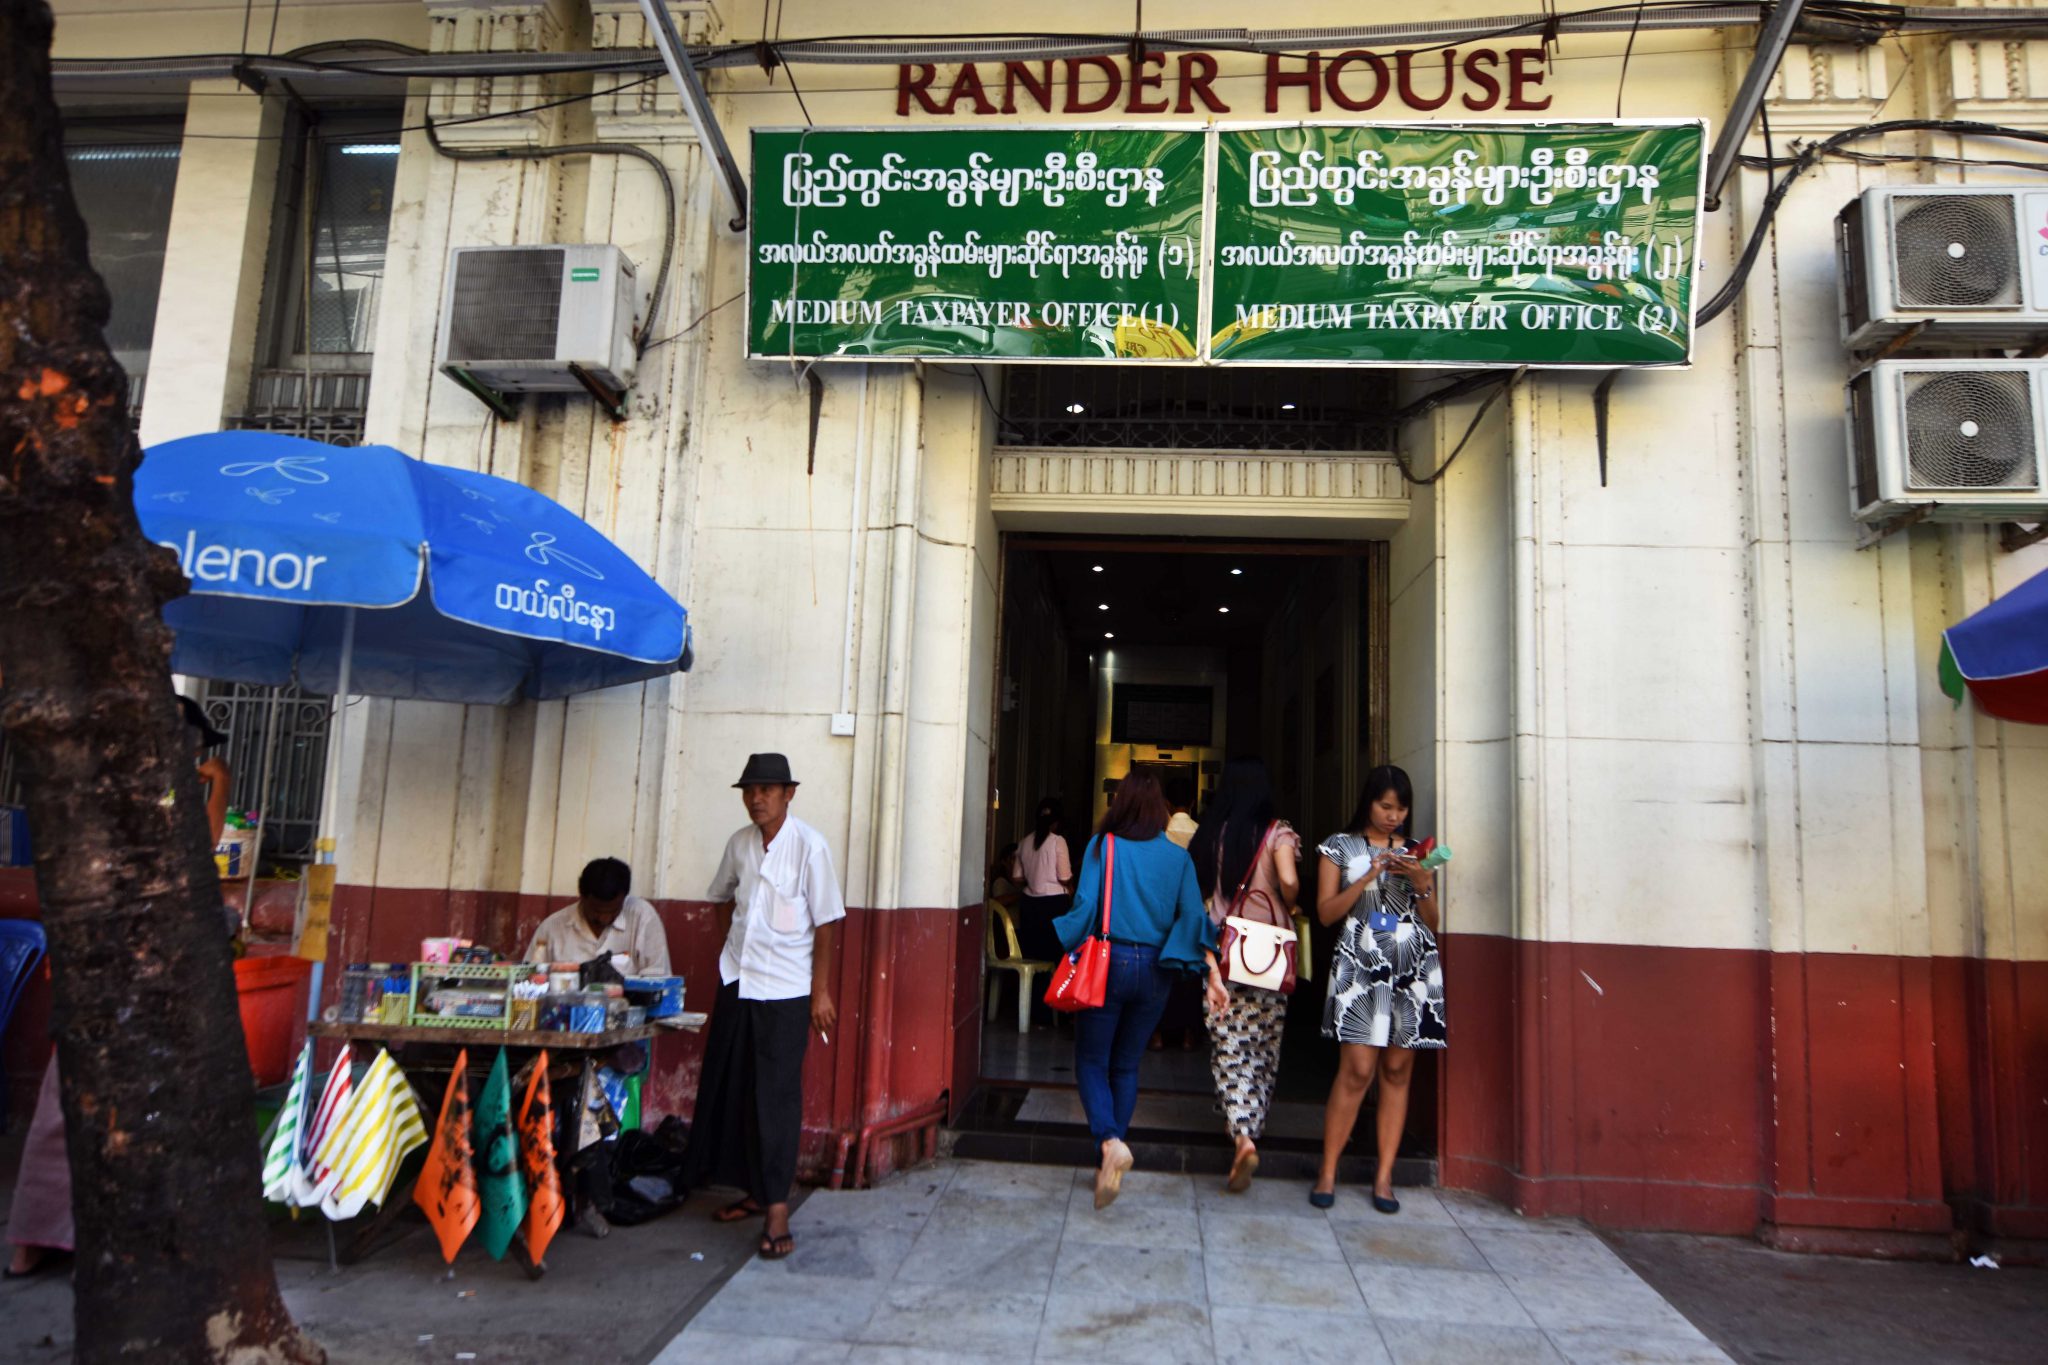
{"x": 1386, "y": 994}
{"x": 1245, "y": 863}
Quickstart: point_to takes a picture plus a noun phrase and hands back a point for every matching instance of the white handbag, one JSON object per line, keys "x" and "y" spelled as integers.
{"x": 1259, "y": 954}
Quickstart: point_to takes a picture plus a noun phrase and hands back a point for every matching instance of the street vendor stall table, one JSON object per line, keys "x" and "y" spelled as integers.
{"x": 403, "y": 1039}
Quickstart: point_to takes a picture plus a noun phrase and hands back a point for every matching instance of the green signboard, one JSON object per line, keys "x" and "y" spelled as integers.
{"x": 1442, "y": 244}
{"x": 1017, "y": 243}
{"x": 1338, "y": 244}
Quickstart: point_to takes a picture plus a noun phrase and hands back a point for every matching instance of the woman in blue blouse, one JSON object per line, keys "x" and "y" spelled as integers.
{"x": 1157, "y": 926}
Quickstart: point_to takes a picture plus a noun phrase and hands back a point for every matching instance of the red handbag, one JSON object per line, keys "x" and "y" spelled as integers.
{"x": 1081, "y": 979}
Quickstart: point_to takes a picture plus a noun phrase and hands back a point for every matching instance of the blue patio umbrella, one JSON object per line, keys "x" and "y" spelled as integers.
{"x": 363, "y": 571}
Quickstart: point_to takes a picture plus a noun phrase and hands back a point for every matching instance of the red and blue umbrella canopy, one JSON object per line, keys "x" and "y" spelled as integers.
{"x": 2001, "y": 655}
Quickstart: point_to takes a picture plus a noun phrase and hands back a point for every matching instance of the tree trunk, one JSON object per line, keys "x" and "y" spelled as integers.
{"x": 173, "y": 1258}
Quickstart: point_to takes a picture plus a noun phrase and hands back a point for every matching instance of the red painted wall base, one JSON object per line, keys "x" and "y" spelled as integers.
{"x": 1839, "y": 1102}
{"x": 1823, "y": 1100}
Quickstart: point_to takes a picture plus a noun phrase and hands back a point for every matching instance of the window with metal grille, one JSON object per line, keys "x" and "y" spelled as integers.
{"x": 1150, "y": 407}
{"x": 123, "y": 187}
{"x": 351, "y": 231}
{"x": 292, "y": 727}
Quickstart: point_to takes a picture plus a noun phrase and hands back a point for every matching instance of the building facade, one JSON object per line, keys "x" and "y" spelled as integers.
{"x": 1747, "y": 929}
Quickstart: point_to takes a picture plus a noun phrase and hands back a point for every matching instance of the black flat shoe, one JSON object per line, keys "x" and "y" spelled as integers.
{"x": 1385, "y": 1205}
{"x": 1323, "y": 1199}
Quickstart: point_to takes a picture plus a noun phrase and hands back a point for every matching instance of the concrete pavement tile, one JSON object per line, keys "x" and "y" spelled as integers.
{"x": 960, "y": 1214}
{"x": 1152, "y": 1189}
{"x": 1267, "y": 1282}
{"x": 1370, "y": 1246}
{"x": 847, "y": 1253}
{"x": 917, "y": 1355}
{"x": 697, "y": 1345}
{"x": 1441, "y": 1343}
{"x": 1628, "y": 1346}
{"x": 1425, "y": 1295}
{"x": 1540, "y": 1253}
{"x": 1089, "y": 1329}
{"x": 1267, "y": 1234}
{"x": 940, "y": 1317}
{"x": 1142, "y": 1272}
{"x": 1259, "y": 1336}
{"x": 1135, "y": 1225}
{"x": 1477, "y": 1211}
{"x": 902, "y": 1205}
{"x": 1288, "y": 1197}
{"x": 1566, "y": 1303}
{"x": 1011, "y": 1263}
{"x": 1010, "y": 1180}
{"x": 756, "y": 1303}
{"x": 1354, "y": 1205}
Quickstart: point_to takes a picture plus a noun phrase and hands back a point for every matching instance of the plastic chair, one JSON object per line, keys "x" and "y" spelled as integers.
{"x": 21, "y": 949}
{"x": 1010, "y": 958}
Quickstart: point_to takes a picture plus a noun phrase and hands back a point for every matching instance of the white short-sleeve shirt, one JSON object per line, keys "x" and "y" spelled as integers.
{"x": 780, "y": 896}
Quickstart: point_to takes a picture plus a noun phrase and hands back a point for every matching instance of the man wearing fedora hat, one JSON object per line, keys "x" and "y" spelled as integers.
{"x": 778, "y": 906}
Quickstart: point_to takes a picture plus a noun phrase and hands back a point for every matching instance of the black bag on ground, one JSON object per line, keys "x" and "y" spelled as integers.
{"x": 638, "y": 1177}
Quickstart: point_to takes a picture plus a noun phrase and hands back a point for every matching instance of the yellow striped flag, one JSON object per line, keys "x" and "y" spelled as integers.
{"x": 363, "y": 1152}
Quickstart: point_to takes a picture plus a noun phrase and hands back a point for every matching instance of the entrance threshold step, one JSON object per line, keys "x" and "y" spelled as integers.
{"x": 992, "y": 1128}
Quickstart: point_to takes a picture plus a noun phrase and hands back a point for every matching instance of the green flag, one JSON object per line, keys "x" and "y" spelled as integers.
{"x": 500, "y": 1186}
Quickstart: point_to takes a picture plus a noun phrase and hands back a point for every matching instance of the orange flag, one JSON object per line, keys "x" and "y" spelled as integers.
{"x": 537, "y": 1161}
{"x": 447, "y": 1183}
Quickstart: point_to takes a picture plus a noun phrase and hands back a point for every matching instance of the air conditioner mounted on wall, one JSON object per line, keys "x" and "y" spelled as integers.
{"x": 1949, "y": 440}
{"x": 1944, "y": 266}
{"x": 539, "y": 319}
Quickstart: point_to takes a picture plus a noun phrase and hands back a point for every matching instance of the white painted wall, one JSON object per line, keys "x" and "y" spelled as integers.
{"x": 1678, "y": 709}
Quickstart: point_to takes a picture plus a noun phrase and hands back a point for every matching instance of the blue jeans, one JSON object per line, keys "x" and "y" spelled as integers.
{"x": 1109, "y": 1042}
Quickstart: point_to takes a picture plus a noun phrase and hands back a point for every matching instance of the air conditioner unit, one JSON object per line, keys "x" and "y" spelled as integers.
{"x": 1965, "y": 266}
{"x": 539, "y": 319}
{"x": 1950, "y": 440}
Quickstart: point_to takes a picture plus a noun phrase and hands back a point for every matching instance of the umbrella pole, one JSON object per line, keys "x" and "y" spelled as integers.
{"x": 263, "y": 807}
{"x": 330, "y": 791}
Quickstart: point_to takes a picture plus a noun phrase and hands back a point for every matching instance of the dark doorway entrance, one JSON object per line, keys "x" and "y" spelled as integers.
{"x": 1172, "y": 655}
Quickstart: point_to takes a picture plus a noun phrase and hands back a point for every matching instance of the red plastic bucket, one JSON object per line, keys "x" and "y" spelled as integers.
{"x": 273, "y": 997}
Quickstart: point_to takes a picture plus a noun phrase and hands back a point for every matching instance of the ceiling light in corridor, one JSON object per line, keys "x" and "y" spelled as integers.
{"x": 1224, "y": 610}
{"x": 1098, "y": 568}
{"x": 1077, "y": 408}
{"x": 1102, "y": 606}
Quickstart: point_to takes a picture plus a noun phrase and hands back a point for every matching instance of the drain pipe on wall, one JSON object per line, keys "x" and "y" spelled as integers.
{"x": 885, "y": 860}
{"x": 856, "y": 562}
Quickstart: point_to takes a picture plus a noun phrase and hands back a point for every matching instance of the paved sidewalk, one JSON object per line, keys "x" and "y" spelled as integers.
{"x": 967, "y": 1261}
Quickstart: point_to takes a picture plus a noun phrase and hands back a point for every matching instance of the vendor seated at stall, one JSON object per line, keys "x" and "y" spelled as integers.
{"x": 604, "y": 920}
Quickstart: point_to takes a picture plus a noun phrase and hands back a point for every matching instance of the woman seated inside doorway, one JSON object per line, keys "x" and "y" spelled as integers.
{"x": 1044, "y": 869}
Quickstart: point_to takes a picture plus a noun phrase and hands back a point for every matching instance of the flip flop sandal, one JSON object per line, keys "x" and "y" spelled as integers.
{"x": 733, "y": 1213}
{"x": 776, "y": 1248}
{"x": 1242, "y": 1170}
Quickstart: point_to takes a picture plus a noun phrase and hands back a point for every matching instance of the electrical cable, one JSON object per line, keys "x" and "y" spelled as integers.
{"x": 668, "y": 190}
{"x": 694, "y": 322}
{"x": 1811, "y": 156}
{"x": 1505, "y": 384}
{"x": 1627, "y": 52}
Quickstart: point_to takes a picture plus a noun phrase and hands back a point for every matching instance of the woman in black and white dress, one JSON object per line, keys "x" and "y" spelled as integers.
{"x": 1386, "y": 992}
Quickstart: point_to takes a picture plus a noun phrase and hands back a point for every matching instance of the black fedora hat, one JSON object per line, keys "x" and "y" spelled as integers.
{"x": 195, "y": 716}
{"x": 766, "y": 770}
